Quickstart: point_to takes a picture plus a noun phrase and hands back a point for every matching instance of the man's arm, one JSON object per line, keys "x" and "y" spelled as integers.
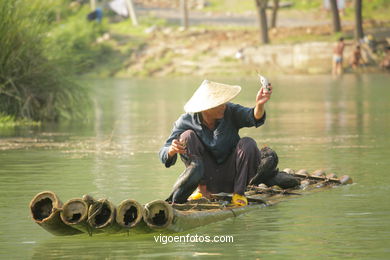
{"x": 261, "y": 98}
{"x": 245, "y": 116}
{"x": 168, "y": 153}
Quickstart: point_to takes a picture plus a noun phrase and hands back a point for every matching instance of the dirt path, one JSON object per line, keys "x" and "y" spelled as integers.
{"x": 286, "y": 17}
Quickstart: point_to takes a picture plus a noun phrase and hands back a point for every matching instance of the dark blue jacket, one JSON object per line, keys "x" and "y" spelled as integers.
{"x": 220, "y": 142}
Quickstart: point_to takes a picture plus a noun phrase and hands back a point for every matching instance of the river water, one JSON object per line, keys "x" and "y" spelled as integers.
{"x": 339, "y": 124}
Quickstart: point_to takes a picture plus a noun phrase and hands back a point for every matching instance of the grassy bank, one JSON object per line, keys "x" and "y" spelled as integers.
{"x": 40, "y": 56}
{"x": 373, "y": 9}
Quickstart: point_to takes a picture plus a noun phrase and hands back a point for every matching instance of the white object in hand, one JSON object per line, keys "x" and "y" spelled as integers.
{"x": 264, "y": 82}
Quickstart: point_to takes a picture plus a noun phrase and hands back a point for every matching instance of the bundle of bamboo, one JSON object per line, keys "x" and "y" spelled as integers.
{"x": 87, "y": 215}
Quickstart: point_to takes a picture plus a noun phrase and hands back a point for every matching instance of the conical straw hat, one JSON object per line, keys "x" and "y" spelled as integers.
{"x": 209, "y": 95}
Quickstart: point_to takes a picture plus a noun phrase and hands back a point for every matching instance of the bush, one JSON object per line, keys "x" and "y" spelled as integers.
{"x": 32, "y": 85}
{"x": 76, "y": 38}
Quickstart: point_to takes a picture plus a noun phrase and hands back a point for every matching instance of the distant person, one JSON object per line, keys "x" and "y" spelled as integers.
{"x": 385, "y": 63}
{"x": 356, "y": 58}
{"x": 239, "y": 54}
{"x": 337, "y": 63}
{"x": 96, "y": 15}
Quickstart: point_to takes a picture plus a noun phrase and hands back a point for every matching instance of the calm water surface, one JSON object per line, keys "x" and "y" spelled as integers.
{"x": 338, "y": 124}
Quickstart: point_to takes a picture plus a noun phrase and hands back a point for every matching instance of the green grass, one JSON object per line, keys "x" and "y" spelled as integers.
{"x": 125, "y": 27}
{"x": 306, "y": 4}
{"x": 34, "y": 86}
{"x": 11, "y": 121}
{"x": 373, "y": 9}
{"x": 153, "y": 64}
{"x": 310, "y": 38}
{"x": 233, "y": 6}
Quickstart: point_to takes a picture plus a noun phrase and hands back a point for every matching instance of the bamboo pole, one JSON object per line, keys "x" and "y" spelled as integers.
{"x": 101, "y": 217}
{"x": 159, "y": 215}
{"x": 229, "y": 197}
{"x": 129, "y": 214}
{"x": 45, "y": 210}
{"x": 320, "y": 175}
{"x": 75, "y": 214}
{"x": 270, "y": 190}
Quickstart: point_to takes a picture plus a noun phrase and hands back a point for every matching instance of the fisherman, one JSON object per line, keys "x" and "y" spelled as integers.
{"x": 216, "y": 158}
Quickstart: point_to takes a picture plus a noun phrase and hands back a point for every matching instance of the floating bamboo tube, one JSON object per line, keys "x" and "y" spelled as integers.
{"x": 331, "y": 175}
{"x": 319, "y": 172}
{"x": 159, "y": 215}
{"x": 319, "y": 175}
{"x": 129, "y": 214}
{"x": 101, "y": 217}
{"x": 45, "y": 210}
{"x": 75, "y": 214}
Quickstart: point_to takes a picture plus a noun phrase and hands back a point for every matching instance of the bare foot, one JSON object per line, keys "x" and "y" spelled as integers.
{"x": 203, "y": 189}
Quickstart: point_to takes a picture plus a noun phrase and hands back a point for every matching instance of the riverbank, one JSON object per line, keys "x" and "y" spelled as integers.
{"x": 172, "y": 51}
{"x": 223, "y": 39}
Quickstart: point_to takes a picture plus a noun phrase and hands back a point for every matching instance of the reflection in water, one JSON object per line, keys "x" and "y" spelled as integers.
{"x": 313, "y": 122}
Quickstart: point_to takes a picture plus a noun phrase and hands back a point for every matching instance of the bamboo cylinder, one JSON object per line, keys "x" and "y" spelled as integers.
{"x": 288, "y": 170}
{"x": 319, "y": 172}
{"x": 331, "y": 178}
{"x": 331, "y": 175}
{"x": 345, "y": 179}
{"x": 302, "y": 172}
{"x": 159, "y": 215}
{"x": 45, "y": 210}
{"x": 129, "y": 214}
{"x": 101, "y": 217}
{"x": 75, "y": 214}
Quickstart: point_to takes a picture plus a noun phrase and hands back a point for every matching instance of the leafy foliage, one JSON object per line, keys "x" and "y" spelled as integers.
{"x": 34, "y": 84}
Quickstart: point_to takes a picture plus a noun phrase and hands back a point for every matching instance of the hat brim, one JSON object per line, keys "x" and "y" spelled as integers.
{"x": 210, "y": 95}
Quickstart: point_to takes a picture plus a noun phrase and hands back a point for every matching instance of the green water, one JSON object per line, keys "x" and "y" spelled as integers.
{"x": 339, "y": 124}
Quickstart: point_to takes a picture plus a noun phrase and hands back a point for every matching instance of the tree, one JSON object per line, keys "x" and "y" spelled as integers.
{"x": 261, "y": 6}
{"x": 184, "y": 11}
{"x": 359, "y": 34}
{"x": 335, "y": 15}
{"x": 275, "y": 8}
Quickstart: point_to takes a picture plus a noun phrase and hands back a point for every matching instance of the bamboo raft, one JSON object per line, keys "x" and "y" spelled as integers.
{"x": 87, "y": 215}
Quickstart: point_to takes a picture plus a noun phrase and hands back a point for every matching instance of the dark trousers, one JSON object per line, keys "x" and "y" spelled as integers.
{"x": 232, "y": 176}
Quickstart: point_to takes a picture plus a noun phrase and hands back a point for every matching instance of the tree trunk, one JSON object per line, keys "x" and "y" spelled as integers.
{"x": 262, "y": 17}
{"x": 335, "y": 16}
{"x": 358, "y": 20}
{"x": 184, "y": 13}
{"x": 274, "y": 13}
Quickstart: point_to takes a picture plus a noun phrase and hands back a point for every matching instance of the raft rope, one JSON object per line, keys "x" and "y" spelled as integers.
{"x": 98, "y": 209}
